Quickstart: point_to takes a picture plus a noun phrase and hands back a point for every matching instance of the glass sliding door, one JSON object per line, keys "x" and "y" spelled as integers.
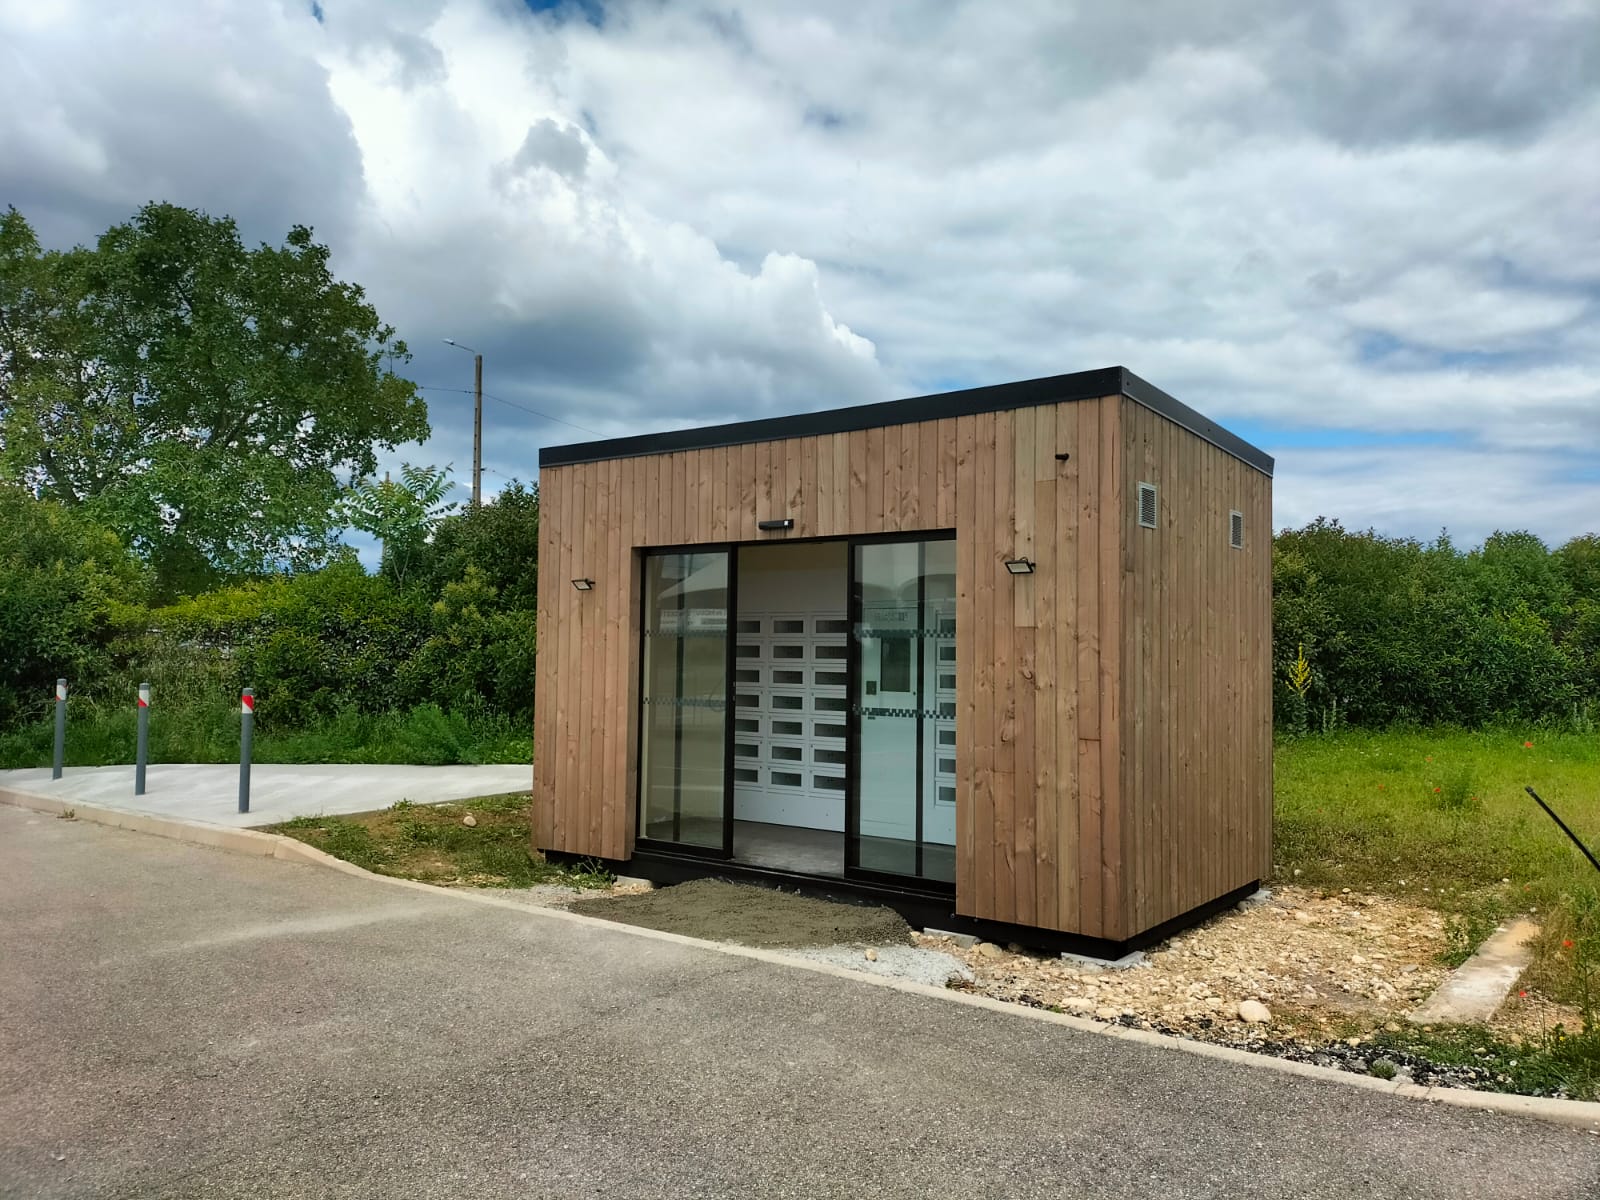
{"x": 902, "y": 812}
{"x": 684, "y": 700}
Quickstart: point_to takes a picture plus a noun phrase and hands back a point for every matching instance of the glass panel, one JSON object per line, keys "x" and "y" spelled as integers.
{"x": 904, "y": 626}
{"x": 684, "y": 697}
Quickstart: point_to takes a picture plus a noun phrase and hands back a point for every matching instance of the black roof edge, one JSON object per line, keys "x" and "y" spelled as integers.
{"x": 1054, "y": 389}
{"x": 1202, "y": 426}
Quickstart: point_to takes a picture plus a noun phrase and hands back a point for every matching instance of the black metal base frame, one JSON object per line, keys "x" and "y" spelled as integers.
{"x": 922, "y": 909}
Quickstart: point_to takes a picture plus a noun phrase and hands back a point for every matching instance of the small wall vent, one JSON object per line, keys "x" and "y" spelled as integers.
{"x": 1236, "y": 530}
{"x": 1147, "y": 505}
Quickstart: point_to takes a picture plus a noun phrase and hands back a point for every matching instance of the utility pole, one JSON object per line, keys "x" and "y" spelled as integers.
{"x": 477, "y": 420}
{"x": 477, "y": 430}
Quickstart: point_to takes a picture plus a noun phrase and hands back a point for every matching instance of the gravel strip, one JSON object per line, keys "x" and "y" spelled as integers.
{"x": 932, "y": 967}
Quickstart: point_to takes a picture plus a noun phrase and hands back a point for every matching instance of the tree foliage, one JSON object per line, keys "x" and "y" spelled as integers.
{"x": 402, "y": 514}
{"x": 68, "y": 593}
{"x": 1400, "y": 630}
{"x": 208, "y": 402}
{"x": 499, "y": 539}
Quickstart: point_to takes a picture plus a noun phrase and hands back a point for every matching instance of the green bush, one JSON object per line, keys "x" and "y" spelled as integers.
{"x": 69, "y": 595}
{"x": 103, "y": 735}
{"x": 1399, "y": 630}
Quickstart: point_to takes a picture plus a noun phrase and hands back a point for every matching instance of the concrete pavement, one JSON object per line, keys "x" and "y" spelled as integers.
{"x": 210, "y": 793}
{"x": 180, "y": 1021}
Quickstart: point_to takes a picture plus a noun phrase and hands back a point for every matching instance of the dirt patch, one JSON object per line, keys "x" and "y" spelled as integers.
{"x": 751, "y": 916}
{"x": 1326, "y": 966}
{"x": 1318, "y": 962}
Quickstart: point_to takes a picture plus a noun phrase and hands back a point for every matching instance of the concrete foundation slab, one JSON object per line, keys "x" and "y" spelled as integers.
{"x": 1475, "y": 989}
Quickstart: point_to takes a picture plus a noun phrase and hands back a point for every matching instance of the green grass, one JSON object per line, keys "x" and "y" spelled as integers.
{"x": 1561, "y": 1063}
{"x": 430, "y": 842}
{"x": 1440, "y": 817}
{"x": 101, "y": 736}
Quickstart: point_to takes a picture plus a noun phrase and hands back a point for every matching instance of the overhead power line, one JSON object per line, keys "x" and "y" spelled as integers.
{"x": 429, "y": 387}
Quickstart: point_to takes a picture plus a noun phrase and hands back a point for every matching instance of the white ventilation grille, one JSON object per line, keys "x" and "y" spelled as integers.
{"x": 1147, "y": 505}
{"x": 1236, "y": 530}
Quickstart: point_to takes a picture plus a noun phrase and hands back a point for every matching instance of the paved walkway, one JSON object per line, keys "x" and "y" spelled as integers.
{"x": 277, "y": 793}
{"x": 178, "y": 1021}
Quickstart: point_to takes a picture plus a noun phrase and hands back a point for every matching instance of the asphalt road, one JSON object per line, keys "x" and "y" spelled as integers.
{"x": 177, "y": 1021}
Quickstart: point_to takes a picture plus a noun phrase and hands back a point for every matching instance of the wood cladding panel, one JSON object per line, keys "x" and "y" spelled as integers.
{"x": 1196, "y": 706}
{"x": 1112, "y": 707}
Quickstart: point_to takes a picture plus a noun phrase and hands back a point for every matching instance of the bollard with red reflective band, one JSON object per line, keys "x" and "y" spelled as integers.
{"x": 142, "y": 749}
{"x": 247, "y": 721}
{"x": 61, "y": 730}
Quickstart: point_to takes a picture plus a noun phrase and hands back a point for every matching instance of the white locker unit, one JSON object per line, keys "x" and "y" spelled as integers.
{"x": 790, "y": 712}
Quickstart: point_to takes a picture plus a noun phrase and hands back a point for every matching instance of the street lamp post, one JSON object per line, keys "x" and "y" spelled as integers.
{"x": 477, "y": 420}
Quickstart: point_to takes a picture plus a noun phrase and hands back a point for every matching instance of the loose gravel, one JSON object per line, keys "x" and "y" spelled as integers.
{"x": 932, "y": 967}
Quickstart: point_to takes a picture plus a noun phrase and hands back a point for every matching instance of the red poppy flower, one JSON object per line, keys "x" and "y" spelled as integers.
{"x": 1527, "y": 745}
{"x": 1567, "y": 943}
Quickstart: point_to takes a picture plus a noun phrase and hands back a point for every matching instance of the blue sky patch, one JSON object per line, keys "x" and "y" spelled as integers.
{"x": 592, "y": 11}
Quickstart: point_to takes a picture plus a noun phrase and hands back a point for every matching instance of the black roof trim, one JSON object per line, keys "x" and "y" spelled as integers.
{"x": 1081, "y": 385}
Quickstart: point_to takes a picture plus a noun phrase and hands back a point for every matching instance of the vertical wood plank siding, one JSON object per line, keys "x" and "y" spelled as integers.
{"x": 1113, "y": 707}
{"x": 1196, "y": 709}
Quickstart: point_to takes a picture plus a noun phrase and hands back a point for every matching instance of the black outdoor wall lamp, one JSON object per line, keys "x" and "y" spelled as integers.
{"x": 583, "y": 585}
{"x": 1019, "y": 566}
{"x": 774, "y": 525}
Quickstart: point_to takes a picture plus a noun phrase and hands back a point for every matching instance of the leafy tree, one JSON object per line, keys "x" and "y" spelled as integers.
{"x": 500, "y": 539}
{"x": 67, "y": 590}
{"x": 402, "y": 515}
{"x": 208, "y": 402}
{"x": 1579, "y": 562}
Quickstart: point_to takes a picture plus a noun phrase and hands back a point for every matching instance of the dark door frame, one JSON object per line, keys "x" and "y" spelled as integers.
{"x": 852, "y": 838}
{"x": 852, "y": 807}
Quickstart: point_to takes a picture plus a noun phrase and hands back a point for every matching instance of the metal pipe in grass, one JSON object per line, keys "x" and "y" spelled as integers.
{"x": 1576, "y": 841}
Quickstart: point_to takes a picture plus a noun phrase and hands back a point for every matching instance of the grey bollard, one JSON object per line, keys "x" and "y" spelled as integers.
{"x": 61, "y": 730}
{"x": 247, "y": 721}
{"x": 142, "y": 753}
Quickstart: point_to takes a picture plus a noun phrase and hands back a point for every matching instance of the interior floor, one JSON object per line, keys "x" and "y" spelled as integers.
{"x": 788, "y": 848}
{"x": 803, "y": 851}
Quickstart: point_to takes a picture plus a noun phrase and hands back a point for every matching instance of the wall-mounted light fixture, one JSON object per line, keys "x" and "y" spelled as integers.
{"x": 1019, "y": 566}
{"x": 583, "y": 585}
{"x": 773, "y": 526}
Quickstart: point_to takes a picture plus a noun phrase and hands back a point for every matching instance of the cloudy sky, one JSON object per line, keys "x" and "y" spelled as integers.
{"x": 1364, "y": 235}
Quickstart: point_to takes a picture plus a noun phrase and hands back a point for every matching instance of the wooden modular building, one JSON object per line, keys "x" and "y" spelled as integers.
{"x": 999, "y": 656}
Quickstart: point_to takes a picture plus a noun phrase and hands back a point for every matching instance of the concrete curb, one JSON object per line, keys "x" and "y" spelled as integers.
{"x": 1577, "y": 1114}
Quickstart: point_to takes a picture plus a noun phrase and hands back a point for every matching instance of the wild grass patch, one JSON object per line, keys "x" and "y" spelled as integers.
{"x": 1441, "y": 817}
{"x": 435, "y": 844}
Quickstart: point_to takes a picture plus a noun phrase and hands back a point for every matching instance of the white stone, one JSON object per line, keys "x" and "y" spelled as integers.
{"x": 469, "y": 820}
{"x": 1254, "y": 1012}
